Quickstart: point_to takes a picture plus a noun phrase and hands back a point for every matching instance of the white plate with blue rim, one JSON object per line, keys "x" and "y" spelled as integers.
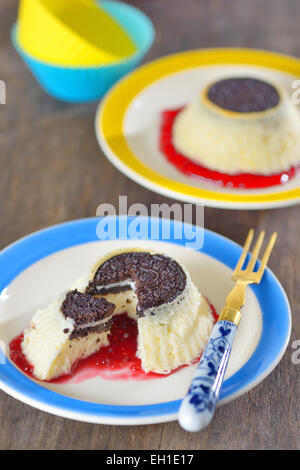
{"x": 38, "y": 267}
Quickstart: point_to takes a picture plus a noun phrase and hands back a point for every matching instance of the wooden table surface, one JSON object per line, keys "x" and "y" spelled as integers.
{"x": 53, "y": 171}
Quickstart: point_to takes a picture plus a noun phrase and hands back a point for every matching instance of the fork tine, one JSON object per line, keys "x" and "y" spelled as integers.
{"x": 255, "y": 252}
{"x": 266, "y": 255}
{"x": 245, "y": 251}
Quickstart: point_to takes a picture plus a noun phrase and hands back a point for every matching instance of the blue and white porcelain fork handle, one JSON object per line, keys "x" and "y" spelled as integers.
{"x": 198, "y": 406}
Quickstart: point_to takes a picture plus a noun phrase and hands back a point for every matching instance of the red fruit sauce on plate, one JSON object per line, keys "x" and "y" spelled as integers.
{"x": 113, "y": 362}
{"x": 192, "y": 168}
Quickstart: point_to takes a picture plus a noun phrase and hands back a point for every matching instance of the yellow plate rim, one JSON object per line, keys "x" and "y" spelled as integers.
{"x": 109, "y": 124}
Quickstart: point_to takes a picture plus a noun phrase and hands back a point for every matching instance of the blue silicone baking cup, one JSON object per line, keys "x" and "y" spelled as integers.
{"x": 82, "y": 84}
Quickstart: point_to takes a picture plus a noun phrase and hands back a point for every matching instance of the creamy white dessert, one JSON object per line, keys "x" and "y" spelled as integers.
{"x": 72, "y": 327}
{"x": 174, "y": 320}
{"x": 240, "y": 125}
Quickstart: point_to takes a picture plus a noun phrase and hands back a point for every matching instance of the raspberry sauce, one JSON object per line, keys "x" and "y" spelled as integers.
{"x": 113, "y": 362}
{"x": 192, "y": 168}
{"x": 17, "y": 356}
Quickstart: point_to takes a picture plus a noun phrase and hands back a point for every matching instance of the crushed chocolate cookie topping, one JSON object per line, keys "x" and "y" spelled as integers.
{"x": 158, "y": 279}
{"x": 85, "y": 309}
{"x": 243, "y": 95}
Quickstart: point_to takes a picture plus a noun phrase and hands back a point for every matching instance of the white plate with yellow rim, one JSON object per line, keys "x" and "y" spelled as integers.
{"x": 128, "y": 122}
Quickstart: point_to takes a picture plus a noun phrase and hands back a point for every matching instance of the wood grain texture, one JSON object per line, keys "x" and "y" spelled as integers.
{"x": 52, "y": 170}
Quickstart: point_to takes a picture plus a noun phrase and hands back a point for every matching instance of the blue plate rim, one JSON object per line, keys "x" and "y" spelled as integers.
{"x": 270, "y": 295}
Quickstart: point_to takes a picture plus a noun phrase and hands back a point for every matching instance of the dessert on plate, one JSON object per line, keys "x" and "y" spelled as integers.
{"x": 73, "y": 326}
{"x": 237, "y": 127}
{"x": 174, "y": 320}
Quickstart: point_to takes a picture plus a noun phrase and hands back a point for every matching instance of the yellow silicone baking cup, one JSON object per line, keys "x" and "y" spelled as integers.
{"x": 71, "y": 32}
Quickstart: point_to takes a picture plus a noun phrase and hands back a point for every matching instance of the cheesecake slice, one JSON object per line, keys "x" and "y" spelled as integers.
{"x": 174, "y": 319}
{"x": 72, "y": 327}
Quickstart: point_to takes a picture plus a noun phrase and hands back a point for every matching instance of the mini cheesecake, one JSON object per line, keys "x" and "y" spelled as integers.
{"x": 240, "y": 125}
{"x": 174, "y": 319}
{"x": 72, "y": 327}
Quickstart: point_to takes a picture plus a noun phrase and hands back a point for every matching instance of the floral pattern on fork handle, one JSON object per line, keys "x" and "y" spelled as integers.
{"x": 197, "y": 408}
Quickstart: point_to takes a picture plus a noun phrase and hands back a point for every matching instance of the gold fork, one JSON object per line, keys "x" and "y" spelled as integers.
{"x": 198, "y": 406}
{"x": 236, "y": 298}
